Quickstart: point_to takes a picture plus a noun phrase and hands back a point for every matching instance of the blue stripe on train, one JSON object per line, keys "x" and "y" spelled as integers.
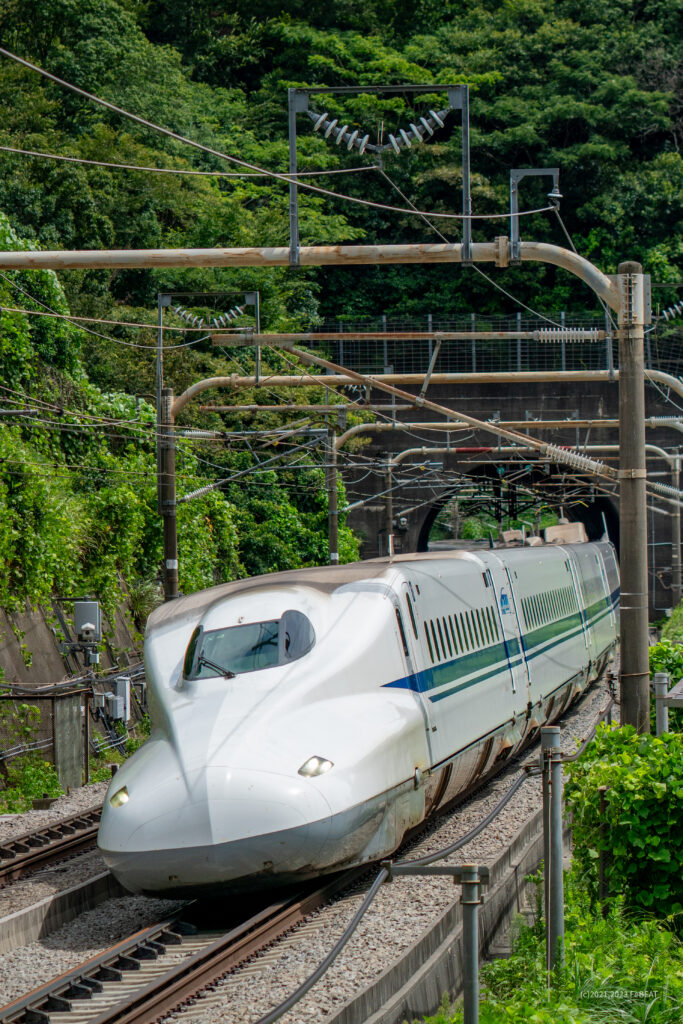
{"x": 501, "y": 656}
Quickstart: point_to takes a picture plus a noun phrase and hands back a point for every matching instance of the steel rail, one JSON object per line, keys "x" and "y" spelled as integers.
{"x": 71, "y": 990}
{"x": 31, "y": 850}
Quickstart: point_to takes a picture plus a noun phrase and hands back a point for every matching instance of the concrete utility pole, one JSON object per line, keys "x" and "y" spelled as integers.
{"x": 167, "y": 494}
{"x": 635, "y": 669}
{"x": 332, "y": 509}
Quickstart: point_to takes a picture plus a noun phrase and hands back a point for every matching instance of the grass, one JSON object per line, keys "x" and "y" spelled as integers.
{"x": 619, "y": 970}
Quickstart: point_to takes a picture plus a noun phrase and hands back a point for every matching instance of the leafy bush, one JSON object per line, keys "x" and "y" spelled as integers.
{"x": 673, "y": 627}
{"x": 667, "y": 657}
{"x": 28, "y": 778}
{"x": 617, "y": 969}
{"x": 640, "y": 833}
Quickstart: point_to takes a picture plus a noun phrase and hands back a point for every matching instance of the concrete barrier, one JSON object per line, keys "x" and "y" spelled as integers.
{"x": 40, "y": 919}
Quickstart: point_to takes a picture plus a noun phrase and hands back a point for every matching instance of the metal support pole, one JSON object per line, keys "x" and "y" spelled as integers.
{"x": 563, "y": 344}
{"x": 602, "y": 860}
{"x": 473, "y": 321}
{"x": 676, "y": 534}
{"x": 257, "y": 353}
{"x": 661, "y": 685}
{"x": 470, "y": 942}
{"x": 466, "y": 188}
{"x": 167, "y": 494}
{"x": 162, "y": 301}
{"x": 296, "y": 102}
{"x": 389, "y": 511}
{"x": 634, "y": 673}
{"x": 519, "y": 343}
{"x": 332, "y": 509}
{"x": 552, "y": 771}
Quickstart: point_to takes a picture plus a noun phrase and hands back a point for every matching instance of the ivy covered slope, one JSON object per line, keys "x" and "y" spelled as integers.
{"x": 78, "y": 476}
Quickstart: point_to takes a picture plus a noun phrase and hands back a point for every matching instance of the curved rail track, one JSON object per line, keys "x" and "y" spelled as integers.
{"x": 151, "y": 972}
{"x": 32, "y": 850}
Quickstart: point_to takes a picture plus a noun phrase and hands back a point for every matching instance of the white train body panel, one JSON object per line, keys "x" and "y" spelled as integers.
{"x": 412, "y": 677}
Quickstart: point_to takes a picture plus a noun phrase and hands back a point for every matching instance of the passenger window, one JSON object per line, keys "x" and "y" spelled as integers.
{"x": 412, "y": 615}
{"x": 461, "y": 642}
{"x": 429, "y": 643}
{"x": 402, "y": 631}
{"x": 443, "y": 643}
{"x": 450, "y": 623}
{"x": 448, "y": 636}
{"x": 436, "y": 642}
{"x": 468, "y": 620}
{"x": 464, "y": 632}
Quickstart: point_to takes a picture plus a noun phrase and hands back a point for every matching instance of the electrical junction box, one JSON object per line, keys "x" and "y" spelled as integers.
{"x": 122, "y": 691}
{"x": 115, "y": 707}
{"x": 88, "y": 621}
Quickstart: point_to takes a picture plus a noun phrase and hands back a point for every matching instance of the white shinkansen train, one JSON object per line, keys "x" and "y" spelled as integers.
{"x": 305, "y": 720}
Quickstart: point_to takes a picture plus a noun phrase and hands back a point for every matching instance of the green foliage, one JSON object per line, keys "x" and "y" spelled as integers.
{"x": 666, "y": 656}
{"x": 27, "y": 776}
{"x": 673, "y": 627}
{"x": 640, "y": 833}
{"x": 622, "y": 968}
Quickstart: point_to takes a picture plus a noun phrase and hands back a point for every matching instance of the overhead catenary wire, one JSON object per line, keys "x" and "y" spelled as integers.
{"x": 286, "y": 178}
{"x": 98, "y": 320}
{"x": 179, "y": 170}
{"x": 89, "y": 330}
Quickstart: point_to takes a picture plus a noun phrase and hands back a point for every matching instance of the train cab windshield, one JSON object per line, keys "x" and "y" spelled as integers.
{"x": 248, "y": 648}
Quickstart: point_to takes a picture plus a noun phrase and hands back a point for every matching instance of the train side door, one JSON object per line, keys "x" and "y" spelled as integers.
{"x": 513, "y": 632}
{"x": 581, "y": 601}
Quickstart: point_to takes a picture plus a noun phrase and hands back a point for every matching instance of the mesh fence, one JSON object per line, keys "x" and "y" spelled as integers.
{"x": 663, "y": 350}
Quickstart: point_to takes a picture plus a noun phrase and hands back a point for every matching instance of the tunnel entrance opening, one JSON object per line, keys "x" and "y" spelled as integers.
{"x": 492, "y": 499}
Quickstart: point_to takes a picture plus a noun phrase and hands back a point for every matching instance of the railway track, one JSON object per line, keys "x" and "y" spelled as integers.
{"x": 158, "y": 968}
{"x": 59, "y": 839}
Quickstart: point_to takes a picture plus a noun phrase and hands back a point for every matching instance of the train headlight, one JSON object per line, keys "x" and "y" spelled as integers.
{"x": 315, "y": 766}
{"x": 119, "y": 798}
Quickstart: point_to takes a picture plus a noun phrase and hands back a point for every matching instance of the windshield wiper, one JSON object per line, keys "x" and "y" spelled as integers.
{"x": 212, "y": 664}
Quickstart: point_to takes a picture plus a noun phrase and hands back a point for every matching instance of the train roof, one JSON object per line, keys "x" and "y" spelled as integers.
{"x": 325, "y": 578}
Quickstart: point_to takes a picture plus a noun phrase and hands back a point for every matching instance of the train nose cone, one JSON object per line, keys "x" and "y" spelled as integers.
{"x": 216, "y": 826}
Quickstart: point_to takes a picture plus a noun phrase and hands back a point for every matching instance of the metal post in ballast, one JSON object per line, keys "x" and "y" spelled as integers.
{"x": 553, "y": 845}
{"x": 661, "y": 687}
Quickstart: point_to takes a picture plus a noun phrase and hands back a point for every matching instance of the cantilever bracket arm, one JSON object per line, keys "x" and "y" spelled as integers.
{"x": 315, "y": 256}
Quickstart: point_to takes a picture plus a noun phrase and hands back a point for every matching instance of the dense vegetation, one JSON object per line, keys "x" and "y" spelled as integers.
{"x": 623, "y": 960}
{"x": 617, "y": 969}
{"x": 591, "y": 87}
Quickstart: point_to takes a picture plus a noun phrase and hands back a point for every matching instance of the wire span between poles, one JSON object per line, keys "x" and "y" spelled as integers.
{"x": 288, "y": 179}
{"x": 560, "y": 455}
